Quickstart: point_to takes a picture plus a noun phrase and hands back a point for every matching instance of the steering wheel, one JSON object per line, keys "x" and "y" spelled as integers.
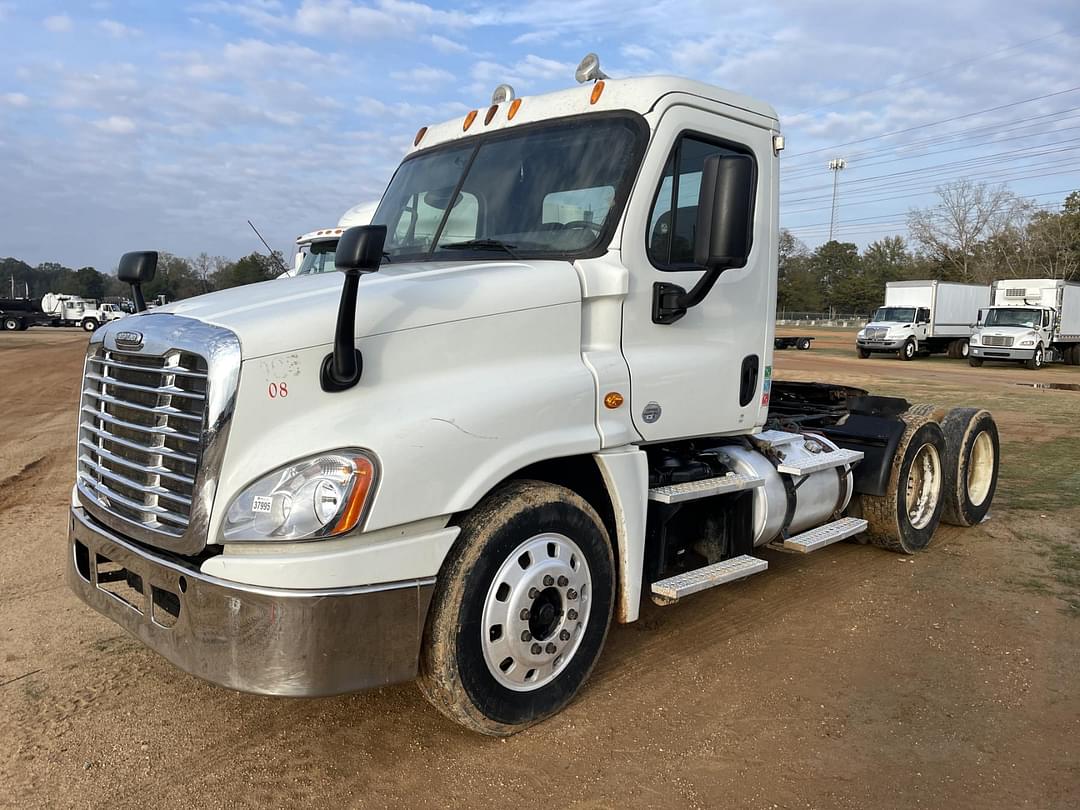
{"x": 581, "y": 223}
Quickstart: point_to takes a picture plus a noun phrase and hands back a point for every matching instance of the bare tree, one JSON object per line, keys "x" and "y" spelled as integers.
{"x": 969, "y": 215}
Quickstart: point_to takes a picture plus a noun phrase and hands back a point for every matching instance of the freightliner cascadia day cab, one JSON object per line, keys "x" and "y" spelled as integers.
{"x": 923, "y": 317}
{"x": 1033, "y": 321}
{"x": 539, "y": 392}
{"x": 315, "y": 250}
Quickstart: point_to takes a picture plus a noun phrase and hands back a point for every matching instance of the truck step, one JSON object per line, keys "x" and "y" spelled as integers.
{"x": 826, "y": 535}
{"x": 705, "y": 488}
{"x": 820, "y": 461}
{"x": 671, "y": 590}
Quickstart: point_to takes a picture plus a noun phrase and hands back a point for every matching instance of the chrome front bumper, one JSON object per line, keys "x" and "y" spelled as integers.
{"x": 880, "y": 345}
{"x": 1001, "y": 353}
{"x": 268, "y": 641}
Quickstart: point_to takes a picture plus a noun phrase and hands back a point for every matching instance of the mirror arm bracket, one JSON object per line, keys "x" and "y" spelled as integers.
{"x": 670, "y": 301}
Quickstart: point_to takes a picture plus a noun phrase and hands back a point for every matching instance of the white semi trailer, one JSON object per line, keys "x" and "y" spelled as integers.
{"x": 923, "y": 317}
{"x": 1032, "y": 321}
{"x": 540, "y": 391}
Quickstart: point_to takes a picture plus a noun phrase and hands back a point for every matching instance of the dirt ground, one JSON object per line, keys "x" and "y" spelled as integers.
{"x": 847, "y": 678}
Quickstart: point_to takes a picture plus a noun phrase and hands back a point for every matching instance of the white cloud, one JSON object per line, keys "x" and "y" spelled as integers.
{"x": 422, "y": 77}
{"x": 446, "y": 45}
{"x": 116, "y": 125}
{"x": 535, "y": 37}
{"x": 58, "y": 23}
{"x": 118, "y": 29}
{"x": 637, "y": 53}
{"x": 16, "y": 99}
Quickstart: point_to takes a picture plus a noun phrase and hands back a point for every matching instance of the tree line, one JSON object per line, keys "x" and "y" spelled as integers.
{"x": 976, "y": 233}
{"x": 176, "y": 277}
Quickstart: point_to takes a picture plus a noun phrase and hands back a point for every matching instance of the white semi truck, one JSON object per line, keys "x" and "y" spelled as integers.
{"x": 315, "y": 250}
{"x": 539, "y": 392}
{"x": 1032, "y": 321}
{"x": 923, "y": 317}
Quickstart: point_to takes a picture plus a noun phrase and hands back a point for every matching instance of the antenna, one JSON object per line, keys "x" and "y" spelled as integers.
{"x": 269, "y": 249}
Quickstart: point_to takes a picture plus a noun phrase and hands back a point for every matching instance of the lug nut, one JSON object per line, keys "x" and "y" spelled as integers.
{"x": 563, "y": 582}
{"x": 564, "y": 635}
{"x": 537, "y": 649}
{"x": 526, "y": 635}
{"x": 550, "y": 648}
{"x": 571, "y": 615}
{"x": 548, "y": 581}
{"x": 571, "y": 594}
{"x": 533, "y": 593}
{"x": 524, "y": 614}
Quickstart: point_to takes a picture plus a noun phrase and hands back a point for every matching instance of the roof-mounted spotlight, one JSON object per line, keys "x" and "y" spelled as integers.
{"x": 588, "y": 70}
{"x": 503, "y": 92}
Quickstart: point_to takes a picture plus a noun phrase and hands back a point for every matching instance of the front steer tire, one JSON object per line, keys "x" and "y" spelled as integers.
{"x": 908, "y": 350}
{"x": 455, "y": 675}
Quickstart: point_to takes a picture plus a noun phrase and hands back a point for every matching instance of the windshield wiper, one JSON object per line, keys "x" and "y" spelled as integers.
{"x": 481, "y": 244}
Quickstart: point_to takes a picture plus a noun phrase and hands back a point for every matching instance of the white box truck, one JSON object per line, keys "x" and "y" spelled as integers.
{"x": 539, "y": 391}
{"x": 1032, "y": 321}
{"x": 923, "y": 317}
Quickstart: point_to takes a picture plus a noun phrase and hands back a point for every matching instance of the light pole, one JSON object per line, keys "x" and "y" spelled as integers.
{"x": 835, "y": 166}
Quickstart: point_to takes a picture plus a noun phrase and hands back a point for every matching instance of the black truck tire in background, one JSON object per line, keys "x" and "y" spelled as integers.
{"x": 975, "y": 362}
{"x": 454, "y": 673}
{"x": 972, "y": 458}
{"x": 11, "y": 324}
{"x": 89, "y": 324}
{"x": 908, "y": 350}
{"x": 803, "y": 344}
{"x": 901, "y": 521}
{"x": 863, "y": 353}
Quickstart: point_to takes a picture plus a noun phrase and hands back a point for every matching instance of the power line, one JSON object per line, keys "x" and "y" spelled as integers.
{"x": 937, "y": 123}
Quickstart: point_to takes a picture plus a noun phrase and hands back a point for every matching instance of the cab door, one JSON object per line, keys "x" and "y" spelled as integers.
{"x": 709, "y": 372}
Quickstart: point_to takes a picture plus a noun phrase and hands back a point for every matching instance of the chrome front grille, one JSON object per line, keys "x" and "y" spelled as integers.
{"x": 876, "y": 333}
{"x": 141, "y": 435}
{"x": 997, "y": 340}
{"x": 152, "y": 426}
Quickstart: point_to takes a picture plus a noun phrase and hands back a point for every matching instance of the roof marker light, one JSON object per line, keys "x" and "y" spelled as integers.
{"x": 514, "y": 105}
{"x": 490, "y": 114}
{"x": 597, "y": 89}
{"x": 468, "y": 120}
{"x": 420, "y": 133}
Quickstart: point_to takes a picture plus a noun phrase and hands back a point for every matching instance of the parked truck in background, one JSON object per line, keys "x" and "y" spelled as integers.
{"x": 1032, "y": 321}
{"x": 17, "y": 314}
{"x": 923, "y": 317}
{"x": 315, "y": 250}
{"x": 540, "y": 391}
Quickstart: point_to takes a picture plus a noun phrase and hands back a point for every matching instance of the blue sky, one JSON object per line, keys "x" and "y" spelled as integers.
{"x": 133, "y": 124}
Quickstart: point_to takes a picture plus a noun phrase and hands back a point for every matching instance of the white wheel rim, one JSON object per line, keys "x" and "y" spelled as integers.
{"x": 536, "y": 612}
{"x": 980, "y": 470}
{"x": 909, "y": 349}
{"x": 965, "y": 350}
{"x": 923, "y": 490}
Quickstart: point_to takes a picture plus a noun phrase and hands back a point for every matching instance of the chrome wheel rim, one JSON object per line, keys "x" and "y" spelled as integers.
{"x": 923, "y": 491}
{"x": 980, "y": 471}
{"x": 536, "y": 612}
{"x": 965, "y": 350}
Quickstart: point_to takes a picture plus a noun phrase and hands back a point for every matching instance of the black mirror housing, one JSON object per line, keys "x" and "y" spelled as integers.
{"x": 725, "y": 214}
{"x": 360, "y": 249}
{"x": 137, "y": 267}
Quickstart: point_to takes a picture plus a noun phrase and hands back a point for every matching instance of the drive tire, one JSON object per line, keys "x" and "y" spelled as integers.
{"x": 972, "y": 460}
{"x": 908, "y": 350}
{"x": 89, "y": 324}
{"x": 953, "y": 350}
{"x": 862, "y": 353}
{"x": 975, "y": 362}
{"x": 11, "y": 324}
{"x": 919, "y": 463}
{"x": 803, "y": 344}
{"x": 1036, "y": 361}
{"x": 964, "y": 350}
{"x": 454, "y": 673}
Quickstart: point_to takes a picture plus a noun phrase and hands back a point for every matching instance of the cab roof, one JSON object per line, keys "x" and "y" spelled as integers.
{"x": 639, "y": 95}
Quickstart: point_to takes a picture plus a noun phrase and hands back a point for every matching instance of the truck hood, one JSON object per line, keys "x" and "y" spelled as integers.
{"x": 291, "y": 313}
{"x": 886, "y": 324}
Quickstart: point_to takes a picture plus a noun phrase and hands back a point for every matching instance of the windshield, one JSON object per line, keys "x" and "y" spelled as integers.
{"x": 550, "y": 190}
{"x": 319, "y": 258}
{"x": 1031, "y": 318}
{"x": 894, "y": 314}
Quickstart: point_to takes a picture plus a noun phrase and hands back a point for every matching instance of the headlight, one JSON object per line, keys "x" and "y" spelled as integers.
{"x": 1027, "y": 342}
{"x": 321, "y": 496}
{"x": 862, "y": 333}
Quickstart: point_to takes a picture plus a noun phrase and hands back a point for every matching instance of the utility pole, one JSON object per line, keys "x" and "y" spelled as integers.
{"x": 835, "y": 166}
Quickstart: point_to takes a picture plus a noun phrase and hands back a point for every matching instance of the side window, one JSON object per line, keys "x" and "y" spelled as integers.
{"x": 924, "y": 315}
{"x": 672, "y": 225}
